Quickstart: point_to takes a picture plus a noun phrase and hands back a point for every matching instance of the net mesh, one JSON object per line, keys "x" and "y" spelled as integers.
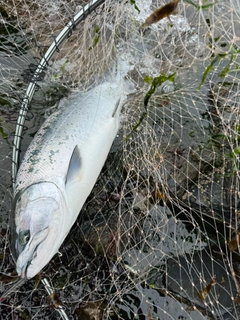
{"x": 158, "y": 237}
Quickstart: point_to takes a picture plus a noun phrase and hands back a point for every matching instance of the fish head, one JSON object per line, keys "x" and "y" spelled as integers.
{"x": 37, "y": 233}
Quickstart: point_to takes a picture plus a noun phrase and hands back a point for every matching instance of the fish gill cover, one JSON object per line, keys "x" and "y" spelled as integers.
{"x": 158, "y": 238}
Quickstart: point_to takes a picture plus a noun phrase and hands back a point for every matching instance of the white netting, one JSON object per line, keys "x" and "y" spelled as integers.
{"x": 158, "y": 237}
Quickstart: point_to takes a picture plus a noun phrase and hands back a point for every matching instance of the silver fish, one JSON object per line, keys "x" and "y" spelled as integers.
{"x": 59, "y": 171}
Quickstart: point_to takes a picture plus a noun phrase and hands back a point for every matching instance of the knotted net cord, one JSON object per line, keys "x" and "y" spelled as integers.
{"x": 158, "y": 237}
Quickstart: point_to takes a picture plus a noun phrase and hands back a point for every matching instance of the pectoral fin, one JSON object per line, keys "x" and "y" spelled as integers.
{"x": 74, "y": 167}
{"x": 73, "y": 181}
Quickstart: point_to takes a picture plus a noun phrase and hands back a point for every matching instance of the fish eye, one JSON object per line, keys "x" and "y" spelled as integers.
{"x": 24, "y": 237}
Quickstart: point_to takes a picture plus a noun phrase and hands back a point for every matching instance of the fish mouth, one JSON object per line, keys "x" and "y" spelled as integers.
{"x": 22, "y": 262}
{"x": 22, "y": 271}
{"x": 23, "y": 275}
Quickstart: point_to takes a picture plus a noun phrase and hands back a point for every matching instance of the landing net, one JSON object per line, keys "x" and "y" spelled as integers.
{"x": 158, "y": 237}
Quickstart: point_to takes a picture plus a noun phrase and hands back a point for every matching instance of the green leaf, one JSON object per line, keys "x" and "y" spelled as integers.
{"x": 4, "y": 135}
{"x": 229, "y": 155}
{"x": 237, "y": 151}
{"x": 96, "y": 38}
{"x": 97, "y": 35}
{"x": 134, "y": 128}
{"x": 192, "y": 3}
{"x": 216, "y": 39}
{"x": 234, "y": 49}
{"x": 237, "y": 128}
{"x": 208, "y": 5}
{"x": 4, "y": 102}
{"x": 148, "y": 79}
{"x": 97, "y": 29}
{"x": 206, "y": 72}
{"x": 62, "y": 70}
{"x": 156, "y": 82}
{"x": 232, "y": 155}
{"x": 133, "y": 3}
{"x": 210, "y": 66}
{"x": 224, "y": 72}
{"x": 63, "y": 66}
{"x": 205, "y": 6}
{"x": 218, "y": 135}
{"x": 235, "y": 165}
{"x": 6, "y": 125}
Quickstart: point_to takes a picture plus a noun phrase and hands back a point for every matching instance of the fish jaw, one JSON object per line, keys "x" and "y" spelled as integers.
{"x": 37, "y": 229}
{"x": 29, "y": 255}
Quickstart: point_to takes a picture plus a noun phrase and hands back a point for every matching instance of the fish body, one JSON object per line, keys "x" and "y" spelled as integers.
{"x": 59, "y": 171}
